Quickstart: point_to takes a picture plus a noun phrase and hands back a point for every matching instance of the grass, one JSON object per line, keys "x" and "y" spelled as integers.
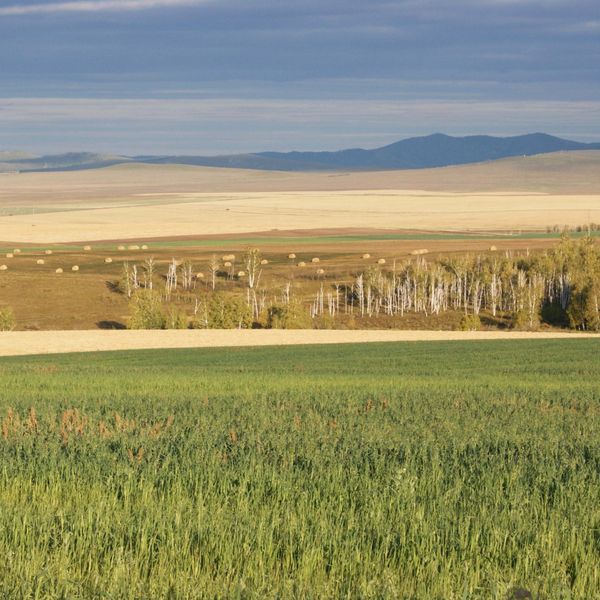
{"x": 422, "y": 470}
{"x": 278, "y": 239}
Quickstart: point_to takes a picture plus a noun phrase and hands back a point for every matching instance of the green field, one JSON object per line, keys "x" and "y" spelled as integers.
{"x": 412, "y": 470}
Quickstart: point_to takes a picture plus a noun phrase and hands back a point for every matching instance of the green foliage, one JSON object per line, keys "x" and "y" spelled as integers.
{"x": 7, "y": 319}
{"x": 147, "y": 311}
{"x": 522, "y": 320}
{"x": 416, "y": 470}
{"x": 470, "y": 323}
{"x": 175, "y": 318}
{"x": 224, "y": 311}
{"x": 289, "y": 316}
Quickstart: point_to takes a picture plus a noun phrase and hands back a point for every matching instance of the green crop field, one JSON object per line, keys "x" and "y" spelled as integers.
{"x": 411, "y": 470}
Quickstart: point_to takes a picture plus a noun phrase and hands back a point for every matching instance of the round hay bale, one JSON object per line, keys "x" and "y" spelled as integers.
{"x": 419, "y": 252}
{"x": 87, "y": 248}
{"x": 381, "y": 261}
{"x": 291, "y": 256}
{"x": 227, "y": 264}
{"x": 301, "y": 264}
{"x": 40, "y": 261}
{"x": 199, "y": 275}
{"x": 264, "y": 261}
{"x": 17, "y": 251}
{"x": 48, "y": 252}
{"x": 10, "y": 255}
{"x": 241, "y": 273}
{"x": 108, "y": 260}
{"x": 229, "y": 257}
{"x": 315, "y": 260}
{"x": 493, "y": 248}
{"x": 59, "y": 270}
{"x": 320, "y": 271}
{"x": 75, "y": 268}
{"x": 133, "y": 247}
{"x": 120, "y": 247}
{"x": 144, "y": 247}
{"x": 3, "y": 268}
{"x": 367, "y": 255}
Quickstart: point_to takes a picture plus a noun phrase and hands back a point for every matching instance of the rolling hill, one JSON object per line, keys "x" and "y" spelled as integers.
{"x": 437, "y": 150}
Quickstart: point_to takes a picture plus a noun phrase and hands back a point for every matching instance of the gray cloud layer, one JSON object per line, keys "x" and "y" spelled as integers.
{"x": 242, "y": 74}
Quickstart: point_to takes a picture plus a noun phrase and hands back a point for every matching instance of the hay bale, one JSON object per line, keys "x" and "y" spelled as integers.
{"x": 59, "y": 270}
{"x": 144, "y": 247}
{"x": 493, "y": 248}
{"x": 301, "y": 264}
{"x": 419, "y": 252}
{"x": 16, "y": 251}
{"x": 133, "y": 247}
{"x": 320, "y": 271}
{"x": 120, "y": 247}
{"x": 75, "y": 268}
{"x": 367, "y": 255}
{"x": 199, "y": 275}
{"x": 40, "y": 261}
{"x": 264, "y": 261}
{"x": 229, "y": 257}
{"x": 315, "y": 260}
{"x": 10, "y": 255}
{"x": 381, "y": 261}
{"x": 291, "y": 256}
{"x": 87, "y": 248}
{"x": 48, "y": 252}
{"x": 227, "y": 264}
{"x": 108, "y": 260}
{"x": 3, "y": 268}
{"x": 241, "y": 273}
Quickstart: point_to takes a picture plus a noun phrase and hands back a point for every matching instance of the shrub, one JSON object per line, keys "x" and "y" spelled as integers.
{"x": 470, "y": 323}
{"x": 289, "y": 316}
{"x": 147, "y": 311}
{"x": 7, "y": 319}
{"x": 225, "y": 312}
{"x": 176, "y": 319}
{"x": 583, "y": 311}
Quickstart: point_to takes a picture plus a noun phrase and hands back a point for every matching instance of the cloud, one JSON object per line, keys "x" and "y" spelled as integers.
{"x": 93, "y": 6}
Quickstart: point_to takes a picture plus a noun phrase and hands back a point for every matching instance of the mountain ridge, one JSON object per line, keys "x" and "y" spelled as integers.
{"x": 431, "y": 151}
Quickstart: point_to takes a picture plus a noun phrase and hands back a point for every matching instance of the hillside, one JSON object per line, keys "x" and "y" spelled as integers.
{"x": 431, "y": 151}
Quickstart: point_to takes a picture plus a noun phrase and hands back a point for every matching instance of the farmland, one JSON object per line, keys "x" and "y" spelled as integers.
{"x": 439, "y": 470}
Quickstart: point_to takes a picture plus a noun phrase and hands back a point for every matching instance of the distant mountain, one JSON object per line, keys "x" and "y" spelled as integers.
{"x": 437, "y": 150}
{"x": 61, "y": 162}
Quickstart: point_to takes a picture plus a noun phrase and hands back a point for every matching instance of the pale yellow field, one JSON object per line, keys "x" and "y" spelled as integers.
{"x": 205, "y": 214}
{"x": 138, "y": 202}
{"x": 14, "y": 343}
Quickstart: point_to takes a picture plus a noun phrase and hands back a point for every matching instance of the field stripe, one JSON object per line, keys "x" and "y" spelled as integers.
{"x": 19, "y": 343}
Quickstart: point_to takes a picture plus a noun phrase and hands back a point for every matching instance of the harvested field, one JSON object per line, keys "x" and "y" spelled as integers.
{"x": 142, "y": 201}
{"x": 16, "y": 343}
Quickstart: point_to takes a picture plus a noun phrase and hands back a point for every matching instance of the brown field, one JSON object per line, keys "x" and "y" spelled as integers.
{"x": 43, "y": 299}
{"x": 223, "y": 208}
{"x": 56, "y": 342}
{"x": 145, "y": 202}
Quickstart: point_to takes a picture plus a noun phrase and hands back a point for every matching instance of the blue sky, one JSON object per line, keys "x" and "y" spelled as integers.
{"x": 221, "y": 76}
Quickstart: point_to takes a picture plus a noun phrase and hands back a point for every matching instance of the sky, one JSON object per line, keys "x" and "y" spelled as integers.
{"x": 227, "y": 76}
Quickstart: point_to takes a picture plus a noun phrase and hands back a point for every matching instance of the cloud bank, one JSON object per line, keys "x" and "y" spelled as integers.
{"x": 94, "y": 6}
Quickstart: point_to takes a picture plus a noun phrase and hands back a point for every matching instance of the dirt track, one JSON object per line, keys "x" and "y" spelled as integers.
{"x": 55, "y": 342}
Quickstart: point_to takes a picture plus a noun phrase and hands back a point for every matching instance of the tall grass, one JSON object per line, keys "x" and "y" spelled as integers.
{"x": 424, "y": 470}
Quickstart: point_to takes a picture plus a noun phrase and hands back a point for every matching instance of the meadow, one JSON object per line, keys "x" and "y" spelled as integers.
{"x": 434, "y": 470}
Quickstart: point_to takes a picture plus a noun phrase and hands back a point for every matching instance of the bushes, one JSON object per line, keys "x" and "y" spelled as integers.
{"x": 7, "y": 319}
{"x": 147, "y": 311}
{"x": 225, "y": 312}
{"x": 470, "y": 323}
{"x": 584, "y": 309}
{"x": 289, "y": 316}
